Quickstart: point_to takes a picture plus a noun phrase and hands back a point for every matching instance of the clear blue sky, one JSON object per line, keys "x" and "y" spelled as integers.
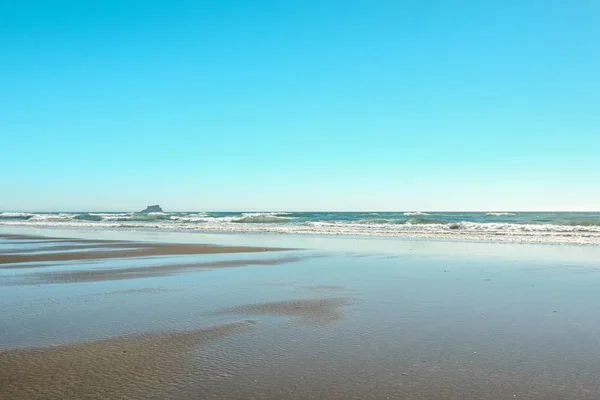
{"x": 296, "y": 105}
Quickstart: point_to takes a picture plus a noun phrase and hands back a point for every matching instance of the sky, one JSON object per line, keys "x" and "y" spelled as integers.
{"x": 300, "y": 105}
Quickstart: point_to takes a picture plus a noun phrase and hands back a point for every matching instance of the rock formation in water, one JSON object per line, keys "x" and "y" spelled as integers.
{"x": 150, "y": 209}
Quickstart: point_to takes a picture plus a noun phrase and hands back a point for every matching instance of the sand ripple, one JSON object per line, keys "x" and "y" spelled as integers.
{"x": 127, "y": 367}
{"x": 307, "y": 310}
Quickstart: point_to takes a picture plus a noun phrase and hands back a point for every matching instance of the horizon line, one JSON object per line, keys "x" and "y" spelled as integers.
{"x": 312, "y": 210}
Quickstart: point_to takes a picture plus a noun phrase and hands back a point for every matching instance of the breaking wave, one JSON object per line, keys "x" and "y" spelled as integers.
{"x": 582, "y": 228}
{"x": 15, "y": 215}
{"x": 261, "y": 218}
{"x": 89, "y": 217}
{"x": 500, "y": 214}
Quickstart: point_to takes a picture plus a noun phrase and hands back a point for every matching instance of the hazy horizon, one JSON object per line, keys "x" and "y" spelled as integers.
{"x": 130, "y": 210}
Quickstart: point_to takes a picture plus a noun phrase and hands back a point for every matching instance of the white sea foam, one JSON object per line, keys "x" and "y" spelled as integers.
{"x": 277, "y": 223}
{"x": 260, "y": 218}
{"x": 248, "y": 218}
{"x": 413, "y": 213}
{"x": 52, "y": 217}
{"x": 114, "y": 217}
{"x": 500, "y": 214}
{"x": 200, "y": 217}
{"x": 15, "y": 214}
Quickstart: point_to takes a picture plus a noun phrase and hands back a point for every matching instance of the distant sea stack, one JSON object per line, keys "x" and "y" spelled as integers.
{"x": 151, "y": 209}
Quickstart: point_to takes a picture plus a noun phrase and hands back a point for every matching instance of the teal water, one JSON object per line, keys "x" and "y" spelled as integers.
{"x": 550, "y": 227}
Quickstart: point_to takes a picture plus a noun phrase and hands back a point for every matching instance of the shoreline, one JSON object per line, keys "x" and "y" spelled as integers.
{"x": 581, "y": 228}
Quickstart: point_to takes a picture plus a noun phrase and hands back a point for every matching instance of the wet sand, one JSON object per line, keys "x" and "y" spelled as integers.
{"x": 129, "y": 367}
{"x": 313, "y": 310}
{"x": 95, "y": 275}
{"x": 256, "y": 324}
{"x": 117, "y": 250}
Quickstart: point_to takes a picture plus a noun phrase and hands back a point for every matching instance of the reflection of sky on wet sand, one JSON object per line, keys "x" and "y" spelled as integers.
{"x": 348, "y": 319}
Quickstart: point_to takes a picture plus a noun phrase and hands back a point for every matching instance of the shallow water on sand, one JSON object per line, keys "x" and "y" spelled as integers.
{"x": 381, "y": 320}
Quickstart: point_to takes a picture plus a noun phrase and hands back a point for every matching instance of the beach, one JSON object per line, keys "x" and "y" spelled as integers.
{"x": 329, "y": 200}
{"x": 141, "y": 315}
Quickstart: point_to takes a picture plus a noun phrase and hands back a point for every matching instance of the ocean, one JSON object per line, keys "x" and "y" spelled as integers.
{"x": 529, "y": 227}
